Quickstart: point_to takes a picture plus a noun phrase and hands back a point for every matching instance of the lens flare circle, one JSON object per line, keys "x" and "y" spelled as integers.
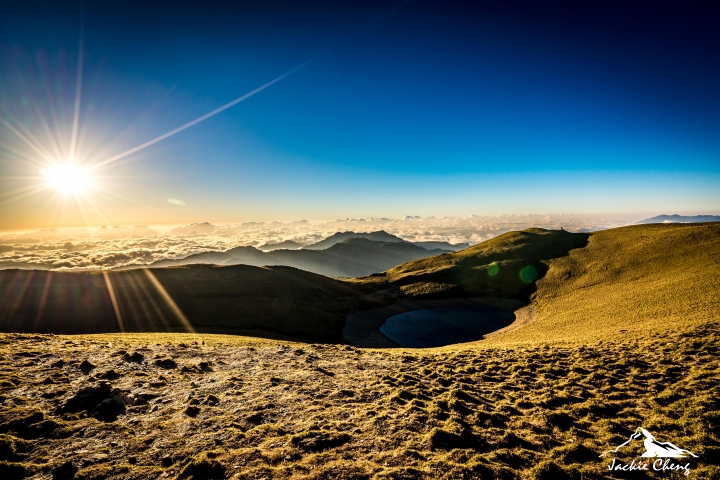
{"x": 68, "y": 178}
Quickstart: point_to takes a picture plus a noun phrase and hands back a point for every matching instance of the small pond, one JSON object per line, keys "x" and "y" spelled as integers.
{"x": 436, "y": 327}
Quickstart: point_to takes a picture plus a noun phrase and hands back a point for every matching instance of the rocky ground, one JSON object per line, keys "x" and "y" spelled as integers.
{"x": 202, "y": 406}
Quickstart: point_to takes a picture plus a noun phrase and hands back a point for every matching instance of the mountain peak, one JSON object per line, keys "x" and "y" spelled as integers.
{"x": 378, "y": 236}
{"x": 675, "y": 218}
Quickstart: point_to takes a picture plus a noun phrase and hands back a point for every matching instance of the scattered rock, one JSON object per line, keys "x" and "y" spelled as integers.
{"x": 110, "y": 408}
{"x": 192, "y": 411}
{"x": 34, "y": 417}
{"x": 166, "y": 461}
{"x": 87, "y": 398}
{"x": 10, "y": 383}
{"x": 255, "y": 419}
{"x": 102, "y": 402}
{"x": 197, "y": 368}
{"x": 204, "y": 465}
{"x": 8, "y": 447}
{"x": 166, "y": 362}
{"x": 111, "y": 375}
{"x": 136, "y": 357}
{"x": 86, "y": 367}
{"x": 66, "y": 471}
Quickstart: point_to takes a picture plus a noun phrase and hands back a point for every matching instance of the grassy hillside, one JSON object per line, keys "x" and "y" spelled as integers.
{"x": 642, "y": 277}
{"x": 492, "y": 268}
{"x": 648, "y": 278}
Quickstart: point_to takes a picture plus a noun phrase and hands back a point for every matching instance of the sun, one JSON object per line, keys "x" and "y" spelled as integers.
{"x": 68, "y": 178}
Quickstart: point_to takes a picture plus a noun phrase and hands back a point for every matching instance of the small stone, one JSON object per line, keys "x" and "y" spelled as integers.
{"x": 136, "y": 357}
{"x": 86, "y": 366}
{"x": 166, "y": 461}
{"x": 66, "y": 471}
{"x": 166, "y": 362}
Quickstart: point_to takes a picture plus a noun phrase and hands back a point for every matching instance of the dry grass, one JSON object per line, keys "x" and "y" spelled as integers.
{"x": 247, "y": 408}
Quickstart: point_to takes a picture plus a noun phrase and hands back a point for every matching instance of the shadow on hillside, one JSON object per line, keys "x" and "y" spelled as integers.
{"x": 273, "y": 302}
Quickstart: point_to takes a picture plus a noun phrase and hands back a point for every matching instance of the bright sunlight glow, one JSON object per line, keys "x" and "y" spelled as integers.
{"x": 68, "y": 178}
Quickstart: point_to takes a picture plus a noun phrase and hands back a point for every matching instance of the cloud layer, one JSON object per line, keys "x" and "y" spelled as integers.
{"x": 109, "y": 247}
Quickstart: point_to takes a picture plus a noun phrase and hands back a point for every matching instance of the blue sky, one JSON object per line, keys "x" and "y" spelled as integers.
{"x": 436, "y": 108}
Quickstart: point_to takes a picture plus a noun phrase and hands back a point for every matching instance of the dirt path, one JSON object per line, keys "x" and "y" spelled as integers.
{"x": 361, "y": 328}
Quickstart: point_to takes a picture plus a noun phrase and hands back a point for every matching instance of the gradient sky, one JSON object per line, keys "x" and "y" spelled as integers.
{"x": 419, "y": 108}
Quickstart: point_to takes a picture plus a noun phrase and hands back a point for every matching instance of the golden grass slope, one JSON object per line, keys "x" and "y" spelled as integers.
{"x": 645, "y": 278}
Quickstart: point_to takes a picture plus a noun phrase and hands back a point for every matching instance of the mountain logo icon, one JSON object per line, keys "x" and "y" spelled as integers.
{"x": 653, "y": 448}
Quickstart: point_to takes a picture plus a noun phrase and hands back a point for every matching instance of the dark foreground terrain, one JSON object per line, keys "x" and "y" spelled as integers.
{"x": 169, "y": 406}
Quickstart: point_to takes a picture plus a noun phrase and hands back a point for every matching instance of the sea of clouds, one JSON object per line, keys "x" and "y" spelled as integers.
{"x": 110, "y": 247}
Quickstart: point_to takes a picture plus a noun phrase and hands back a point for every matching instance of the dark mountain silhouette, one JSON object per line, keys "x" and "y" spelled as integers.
{"x": 383, "y": 236}
{"x": 379, "y": 236}
{"x": 455, "y": 247}
{"x": 287, "y": 244}
{"x": 240, "y": 255}
{"x": 351, "y": 258}
{"x": 681, "y": 219}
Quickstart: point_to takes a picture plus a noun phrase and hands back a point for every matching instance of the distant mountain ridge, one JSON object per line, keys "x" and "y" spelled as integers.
{"x": 681, "y": 219}
{"x": 355, "y": 256}
{"x": 455, "y": 247}
{"x": 287, "y": 244}
{"x": 379, "y": 236}
{"x": 382, "y": 236}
